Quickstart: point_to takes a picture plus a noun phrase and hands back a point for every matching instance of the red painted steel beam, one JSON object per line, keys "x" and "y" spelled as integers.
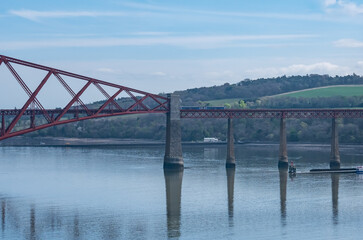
{"x": 137, "y": 103}
{"x": 161, "y": 105}
{"x": 108, "y": 101}
{"x": 108, "y": 96}
{"x": 21, "y": 132}
{"x": 26, "y": 105}
{"x": 26, "y": 89}
{"x": 138, "y": 100}
{"x": 71, "y": 92}
{"x": 65, "y": 73}
{"x": 272, "y": 113}
{"x": 69, "y": 105}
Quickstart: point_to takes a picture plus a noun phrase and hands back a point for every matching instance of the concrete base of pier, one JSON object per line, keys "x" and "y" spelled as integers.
{"x": 173, "y": 163}
{"x": 283, "y": 165}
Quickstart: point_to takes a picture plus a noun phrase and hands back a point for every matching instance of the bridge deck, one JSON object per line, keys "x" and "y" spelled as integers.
{"x": 213, "y": 113}
{"x": 272, "y": 113}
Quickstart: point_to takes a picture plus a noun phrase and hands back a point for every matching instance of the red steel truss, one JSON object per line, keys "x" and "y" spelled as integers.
{"x": 272, "y": 113}
{"x": 70, "y": 113}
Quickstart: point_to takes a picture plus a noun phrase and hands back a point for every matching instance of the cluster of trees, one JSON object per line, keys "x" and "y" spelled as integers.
{"x": 152, "y": 126}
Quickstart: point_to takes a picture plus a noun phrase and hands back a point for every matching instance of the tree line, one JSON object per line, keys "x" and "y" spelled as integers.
{"x": 251, "y": 93}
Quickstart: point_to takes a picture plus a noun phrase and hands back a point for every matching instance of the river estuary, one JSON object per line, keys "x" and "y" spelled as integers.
{"x": 124, "y": 193}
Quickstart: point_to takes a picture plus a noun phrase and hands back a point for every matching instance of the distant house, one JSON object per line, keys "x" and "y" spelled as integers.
{"x": 211, "y": 139}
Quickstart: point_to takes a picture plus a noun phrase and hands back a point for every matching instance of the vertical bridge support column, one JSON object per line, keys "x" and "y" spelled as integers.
{"x": 173, "y": 151}
{"x": 334, "y": 154}
{"x": 283, "y": 162}
{"x": 2, "y": 130}
{"x": 231, "y": 160}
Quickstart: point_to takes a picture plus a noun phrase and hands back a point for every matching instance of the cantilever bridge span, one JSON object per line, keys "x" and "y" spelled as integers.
{"x": 141, "y": 102}
{"x": 75, "y": 109}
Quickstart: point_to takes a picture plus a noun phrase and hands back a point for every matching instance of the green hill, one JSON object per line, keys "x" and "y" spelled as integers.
{"x": 333, "y": 91}
{"x": 251, "y": 90}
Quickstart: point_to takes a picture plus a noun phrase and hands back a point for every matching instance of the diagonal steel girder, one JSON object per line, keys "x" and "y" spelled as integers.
{"x": 27, "y": 89}
{"x": 26, "y": 105}
{"x": 108, "y": 97}
{"x": 75, "y": 98}
{"x": 71, "y": 92}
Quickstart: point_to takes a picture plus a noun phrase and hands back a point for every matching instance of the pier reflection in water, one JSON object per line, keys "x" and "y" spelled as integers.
{"x": 283, "y": 189}
{"x": 230, "y": 190}
{"x": 173, "y": 188}
{"x": 335, "y": 192}
{"x": 3, "y": 206}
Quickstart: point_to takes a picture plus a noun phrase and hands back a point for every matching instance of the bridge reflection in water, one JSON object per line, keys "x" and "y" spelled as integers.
{"x": 52, "y": 221}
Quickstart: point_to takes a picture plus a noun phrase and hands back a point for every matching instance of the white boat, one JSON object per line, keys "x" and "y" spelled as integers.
{"x": 360, "y": 170}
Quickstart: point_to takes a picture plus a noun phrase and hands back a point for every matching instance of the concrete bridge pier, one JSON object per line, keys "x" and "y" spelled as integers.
{"x": 173, "y": 150}
{"x": 334, "y": 153}
{"x": 283, "y": 162}
{"x": 2, "y": 129}
{"x": 231, "y": 160}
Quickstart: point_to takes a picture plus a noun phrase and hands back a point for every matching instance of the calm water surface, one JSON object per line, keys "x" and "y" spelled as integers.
{"x": 123, "y": 193}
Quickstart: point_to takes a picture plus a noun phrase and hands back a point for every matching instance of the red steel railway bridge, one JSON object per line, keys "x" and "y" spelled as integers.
{"x": 140, "y": 102}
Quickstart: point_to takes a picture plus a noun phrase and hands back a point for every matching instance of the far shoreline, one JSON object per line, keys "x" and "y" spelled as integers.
{"x": 21, "y": 141}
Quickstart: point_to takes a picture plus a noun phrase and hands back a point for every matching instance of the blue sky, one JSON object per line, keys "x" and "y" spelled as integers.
{"x": 163, "y": 46}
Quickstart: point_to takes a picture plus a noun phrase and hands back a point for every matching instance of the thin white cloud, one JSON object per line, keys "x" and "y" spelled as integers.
{"x": 151, "y": 33}
{"x": 348, "y": 43}
{"x": 142, "y": 10}
{"x": 198, "y": 42}
{"x": 303, "y": 69}
{"x": 106, "y": 70}
{"x": 151, "y": 7}
{"x": 38, "y": 15}
{"x": 159, "y": 74}
{"x": 328, "y": 3}
{"x": 343, "y": 6}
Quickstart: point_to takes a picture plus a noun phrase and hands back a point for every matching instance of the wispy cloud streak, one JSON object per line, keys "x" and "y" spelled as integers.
{"x": 348, "y": 43}
{"x": 344, "y": 6}
{"x": 142, "y": 10}
{"x": 302, "y": 69}
{"x": 199, "y": 42}
{"x": 38, "y": 15}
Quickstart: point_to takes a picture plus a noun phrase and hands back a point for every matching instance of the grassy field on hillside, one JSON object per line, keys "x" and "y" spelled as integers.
{"x": 345, "y": 91}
